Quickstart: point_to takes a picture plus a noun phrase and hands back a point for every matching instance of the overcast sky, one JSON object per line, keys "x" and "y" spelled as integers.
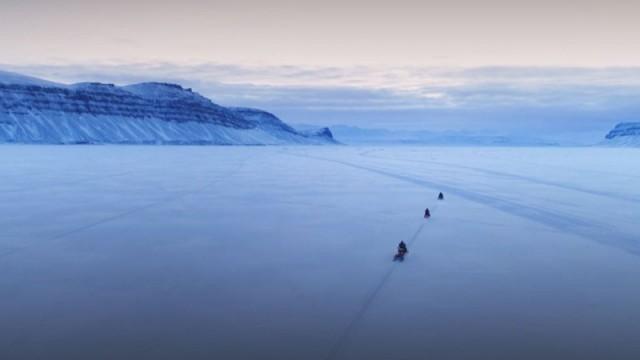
{"x": 330, "y": 32}
{"x": 342, "y": 61}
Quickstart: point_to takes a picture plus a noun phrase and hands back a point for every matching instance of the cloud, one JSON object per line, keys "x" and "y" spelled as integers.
{"x": 407, "y": 82}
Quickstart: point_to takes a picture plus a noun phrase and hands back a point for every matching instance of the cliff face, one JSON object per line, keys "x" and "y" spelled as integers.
{"x": 624, "y": 129}
{"x": 36, "y": 111}
{"x": 624, "y": 134}
{"x": 269, "y": 122}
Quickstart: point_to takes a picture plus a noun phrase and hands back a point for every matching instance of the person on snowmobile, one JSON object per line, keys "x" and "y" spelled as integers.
{"x": 427, "y": 213}
{"x": 441, "y": 196}
{"x": 402, "y": 248}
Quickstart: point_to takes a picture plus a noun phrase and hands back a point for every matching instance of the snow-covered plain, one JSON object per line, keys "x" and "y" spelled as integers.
{"x": 149, "y": 252}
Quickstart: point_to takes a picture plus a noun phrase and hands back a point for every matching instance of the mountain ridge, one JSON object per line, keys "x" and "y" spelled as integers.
{"x": 624, "y": 134}
{"x": 38, "y": 111}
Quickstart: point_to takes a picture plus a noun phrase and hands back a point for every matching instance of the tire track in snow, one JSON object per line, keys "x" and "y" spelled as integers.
{"x": 48, "y": 187}
{"x": 346, "y": 335}
{"x": 167, "y": 200}
{"x": 124, "y": 214}
{"x": 583, "y": 170}
{"x": 524, "y": 178}
{"x": 601, "y": 233}
{"x": 344, "y": 339}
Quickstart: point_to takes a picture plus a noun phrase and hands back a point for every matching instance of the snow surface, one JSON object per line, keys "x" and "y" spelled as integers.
{"x": 148, "y": 252}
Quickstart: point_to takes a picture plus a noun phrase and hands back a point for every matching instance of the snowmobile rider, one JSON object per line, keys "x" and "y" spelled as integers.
{"x": 427, "y": 213}
{"x": 402, "y": 248}
{"x": 441, "y": 196}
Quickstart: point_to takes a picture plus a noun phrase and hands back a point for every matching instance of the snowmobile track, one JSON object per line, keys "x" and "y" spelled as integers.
{"x": 343, "y": 340}
{"x": 527, "y": 179}
{"x": 586, "y": 228}
{"x": 124, "y": 214}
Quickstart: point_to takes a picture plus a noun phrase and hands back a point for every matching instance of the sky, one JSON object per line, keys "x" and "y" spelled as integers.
{"x": 544, "y": 65}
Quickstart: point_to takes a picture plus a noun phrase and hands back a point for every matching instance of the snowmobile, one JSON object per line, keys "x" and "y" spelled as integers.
{"x": 402, "y": 251}
{"x": 441, "y": 196}
{"x": 400, "y": 255}
{"x": 427, "y": 213}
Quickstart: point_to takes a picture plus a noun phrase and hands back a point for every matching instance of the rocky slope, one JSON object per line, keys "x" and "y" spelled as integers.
{"x": 624, "y": 134}
{"x": 38, "y": 111}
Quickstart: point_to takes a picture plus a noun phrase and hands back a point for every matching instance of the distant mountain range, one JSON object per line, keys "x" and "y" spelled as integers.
{"x": 38, "y": 111}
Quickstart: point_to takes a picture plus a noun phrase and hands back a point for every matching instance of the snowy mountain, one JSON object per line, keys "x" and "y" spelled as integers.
{"x": 624, "y": 134}
{"x": 39, "y": 111}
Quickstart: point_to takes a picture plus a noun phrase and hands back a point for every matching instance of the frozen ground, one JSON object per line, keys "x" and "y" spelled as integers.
{"x": 112, "y": 252}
